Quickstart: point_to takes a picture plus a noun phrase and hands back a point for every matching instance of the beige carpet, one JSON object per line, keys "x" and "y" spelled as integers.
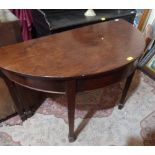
{"x": 98, "y": 120}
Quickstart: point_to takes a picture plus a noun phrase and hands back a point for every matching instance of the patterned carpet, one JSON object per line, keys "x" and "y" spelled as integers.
{"x": 98, "y": 120}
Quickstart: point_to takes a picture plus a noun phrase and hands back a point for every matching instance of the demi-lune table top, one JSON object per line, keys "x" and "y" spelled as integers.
{"x": 84, "y": 51}
{"x": 73, "y": 61}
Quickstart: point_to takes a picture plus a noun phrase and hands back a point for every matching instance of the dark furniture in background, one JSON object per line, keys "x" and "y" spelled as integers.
{"x": 49, "y": 21}
{"x": 10, "y": 33}
{"x": 70, "y": 62}
{"x": 10, "y": 29}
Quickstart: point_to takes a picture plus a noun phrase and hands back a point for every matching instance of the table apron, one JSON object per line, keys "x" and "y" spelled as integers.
{"x": 60, "y": 85}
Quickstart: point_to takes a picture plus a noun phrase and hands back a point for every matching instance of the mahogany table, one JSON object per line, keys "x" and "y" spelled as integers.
{"x": 73, "y": 61}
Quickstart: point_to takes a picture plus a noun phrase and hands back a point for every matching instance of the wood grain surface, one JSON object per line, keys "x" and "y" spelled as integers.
{"x": 80, "y": 52}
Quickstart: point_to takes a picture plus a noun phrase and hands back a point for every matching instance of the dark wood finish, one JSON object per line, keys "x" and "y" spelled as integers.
{"x": 77, "y": 53}
{"x": 26, "y": 100}
{"x": 13, "y": 91}
{"x": 71, "y": 93}
{"x": 125, "y": 90}
{"x": 29, "y": 99}
{"x": 73, "y": 61}
{"x": 7, "y": 106}
{"x": 59, "y": 85}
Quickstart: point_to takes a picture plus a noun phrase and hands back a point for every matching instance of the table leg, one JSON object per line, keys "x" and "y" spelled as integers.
{"x": 23, "y": 97}
{"x": 13, "y": 92}
{"x": 125, "y": 91}
{"x": 71, "y": 94}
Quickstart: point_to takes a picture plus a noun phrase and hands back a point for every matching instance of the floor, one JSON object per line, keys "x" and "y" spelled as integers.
{"x": 98, "y": 120}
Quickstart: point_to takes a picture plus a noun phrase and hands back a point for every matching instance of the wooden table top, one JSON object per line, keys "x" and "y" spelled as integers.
{"x": 84, "y": 51}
